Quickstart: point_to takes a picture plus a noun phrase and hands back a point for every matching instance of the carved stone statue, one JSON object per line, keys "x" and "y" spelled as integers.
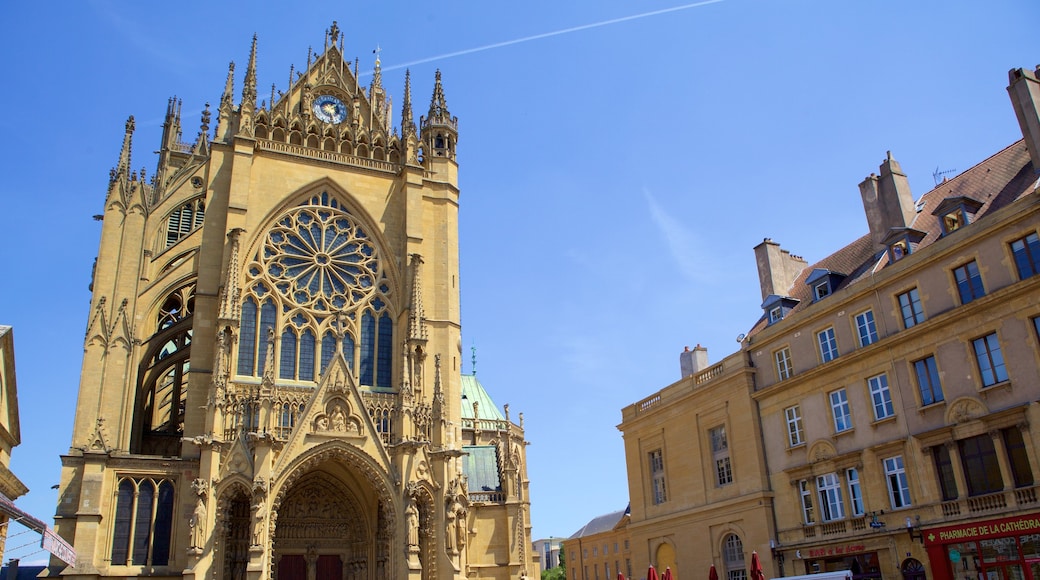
{"x": 339, "y": 419}
{"x": 259, "y": 522}
{"x": 412, "y": 515}
{"x": 449, "y": 535}
{"x": 197, "y": 524}
{"x": 460, "y": 529}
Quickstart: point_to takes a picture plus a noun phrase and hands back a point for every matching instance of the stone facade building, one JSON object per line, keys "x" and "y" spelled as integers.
{"x": 887, "y": 397}
{"x": 696, "y": 473}
{"x": 271, "y": 381}
{"x": 11, "y": 487}
{"x": 600, "y": 549}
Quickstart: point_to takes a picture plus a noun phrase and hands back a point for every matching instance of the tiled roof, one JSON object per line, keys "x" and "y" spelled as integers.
{"x": 995, "y": 182}
{"x": 473, "y": 391}
{"x": 599, "y": 524}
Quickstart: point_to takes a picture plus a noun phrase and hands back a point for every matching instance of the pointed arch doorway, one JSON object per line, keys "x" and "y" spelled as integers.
{"x": 327, "y": 529}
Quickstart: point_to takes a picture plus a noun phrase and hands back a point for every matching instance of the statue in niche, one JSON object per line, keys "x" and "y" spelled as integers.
{"x": 322, "y": 423}
{"x": 449, "y": 533}
{"x": 260, "y": 520}
{"x": 460, "y": 526}
{"x": 198, "y": 524}
{"x": 339, "y": 419}
{"x": 412, "y": 515}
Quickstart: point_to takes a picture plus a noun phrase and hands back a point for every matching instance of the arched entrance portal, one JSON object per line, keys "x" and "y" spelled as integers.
{"x": 327, "y": 528}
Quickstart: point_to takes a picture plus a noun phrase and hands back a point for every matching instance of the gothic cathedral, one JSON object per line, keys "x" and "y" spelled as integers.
{"x": 271, "y": 382}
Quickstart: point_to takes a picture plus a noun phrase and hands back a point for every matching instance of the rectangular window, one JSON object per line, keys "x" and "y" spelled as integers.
{"x": 928, "y": 381}
{"x": 969, "y": 282}
{"x": 944, "y": 468}
{"x": 898, "y": 487}
{"x": 881, "y": 397}
{"x": 783, "y": 363}
{"x": 807, "y": 506}
{"x": 794, "y": 425}
{"x": 718, "y": 439}
{"x": 775, "y": 314}
{"x": 831, "y": 506}
{"x": 840, "y": 410}
{"x": 723, "y": 471}
{"x": 910, "y": 306}
{"x": 1018, "y": 457}
{"x": 1026, "y": 252}
{"x": 720, "y": 452}
{"x": 822, "y": 290}
{"x": 828, "y": 345}
{"x": 855, "y": 491}
{"x": 656, "y": 460}
{"x": 990, "y": 360}
{"x": 981, "y": 468}
{"x": 865, "y": 328}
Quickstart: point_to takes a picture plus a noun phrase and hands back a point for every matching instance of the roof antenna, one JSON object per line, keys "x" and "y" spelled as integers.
{"x": 473, "y": 367}
{"x": 940, "y": 176}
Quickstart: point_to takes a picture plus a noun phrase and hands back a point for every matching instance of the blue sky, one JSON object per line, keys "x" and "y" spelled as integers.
{"x": 618, "y": 163}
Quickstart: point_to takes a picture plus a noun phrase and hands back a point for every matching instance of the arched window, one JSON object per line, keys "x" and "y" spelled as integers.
{"x": 733, "y": 557}
{"x": 318, "y": 280}
{"x": 163, "y": 378}
{"x": 143, "y": 522}
{"x": 184, "y": 220}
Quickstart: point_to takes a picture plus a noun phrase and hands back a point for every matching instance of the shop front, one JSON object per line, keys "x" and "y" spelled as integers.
{"x": 1002, "y": 549}
{"x": 863, "y": 560}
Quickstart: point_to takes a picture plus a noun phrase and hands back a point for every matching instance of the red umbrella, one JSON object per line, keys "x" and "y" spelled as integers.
{"x": 651, "y": 574}
{"x": 756, "y": 568}
{"x": 667, "y": 574}
{"x": 712, "y": 574}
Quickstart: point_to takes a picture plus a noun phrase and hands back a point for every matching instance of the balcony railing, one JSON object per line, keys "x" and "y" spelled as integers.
{"x": 991, "y": 503}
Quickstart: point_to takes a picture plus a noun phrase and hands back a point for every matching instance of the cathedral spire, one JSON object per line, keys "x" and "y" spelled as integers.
{"x": 171, "y": 137}
{"x": 226, "y": 105}
{"x": 440, "y": 130}
{"x": 202, "y": 141}
{"x": 249, "y": 85}
{"x": 407, "y": 120}
{"x": 122, "y": 169}
{"x": 248, "y": 106}
{"x": 417, "y": 317}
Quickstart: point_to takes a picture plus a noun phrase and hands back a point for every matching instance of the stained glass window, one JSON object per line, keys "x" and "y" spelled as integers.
{"x": 319, "y": 268}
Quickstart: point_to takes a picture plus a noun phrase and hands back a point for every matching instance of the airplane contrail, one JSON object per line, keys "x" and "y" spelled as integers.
{"x": 553, "y": 33}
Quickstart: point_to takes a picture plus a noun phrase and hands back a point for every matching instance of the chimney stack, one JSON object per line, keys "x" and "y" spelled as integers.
{"x": 693, "y": 361}
{"x": 777, "y": 268}
{"x": 887, "y": 200}
{"x": 1024, "y": 89}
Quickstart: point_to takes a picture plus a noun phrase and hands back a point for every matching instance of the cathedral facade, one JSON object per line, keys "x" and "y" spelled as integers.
{"x": 271, "y": 383}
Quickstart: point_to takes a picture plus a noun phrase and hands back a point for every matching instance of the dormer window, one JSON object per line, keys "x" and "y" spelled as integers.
{"x": 777, "y": 307}
{"x": 901, "y": 242}
{"x": 823, "y": 282}
{"x": 953, "y": 221}
{"x": 956, "y": 212}
{"x": 899, "y": 249}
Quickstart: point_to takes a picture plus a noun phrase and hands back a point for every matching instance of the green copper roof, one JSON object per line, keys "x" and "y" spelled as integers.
{"x": 473, "y": 391}
{"x": 481, "y": 468}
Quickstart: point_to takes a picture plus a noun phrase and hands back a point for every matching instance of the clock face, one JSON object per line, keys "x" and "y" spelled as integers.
{"x": 329, "y": 109}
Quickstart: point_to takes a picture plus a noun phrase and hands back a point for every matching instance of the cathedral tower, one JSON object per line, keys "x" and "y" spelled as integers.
{"x": 271, "y": 381}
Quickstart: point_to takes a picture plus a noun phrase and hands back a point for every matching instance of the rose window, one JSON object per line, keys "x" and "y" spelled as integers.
{"x": 321, "y": 259}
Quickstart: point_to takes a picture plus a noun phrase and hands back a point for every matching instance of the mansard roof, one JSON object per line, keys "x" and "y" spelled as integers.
{"x": 994, "y": 183}
{"x": 603, "y": 523}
